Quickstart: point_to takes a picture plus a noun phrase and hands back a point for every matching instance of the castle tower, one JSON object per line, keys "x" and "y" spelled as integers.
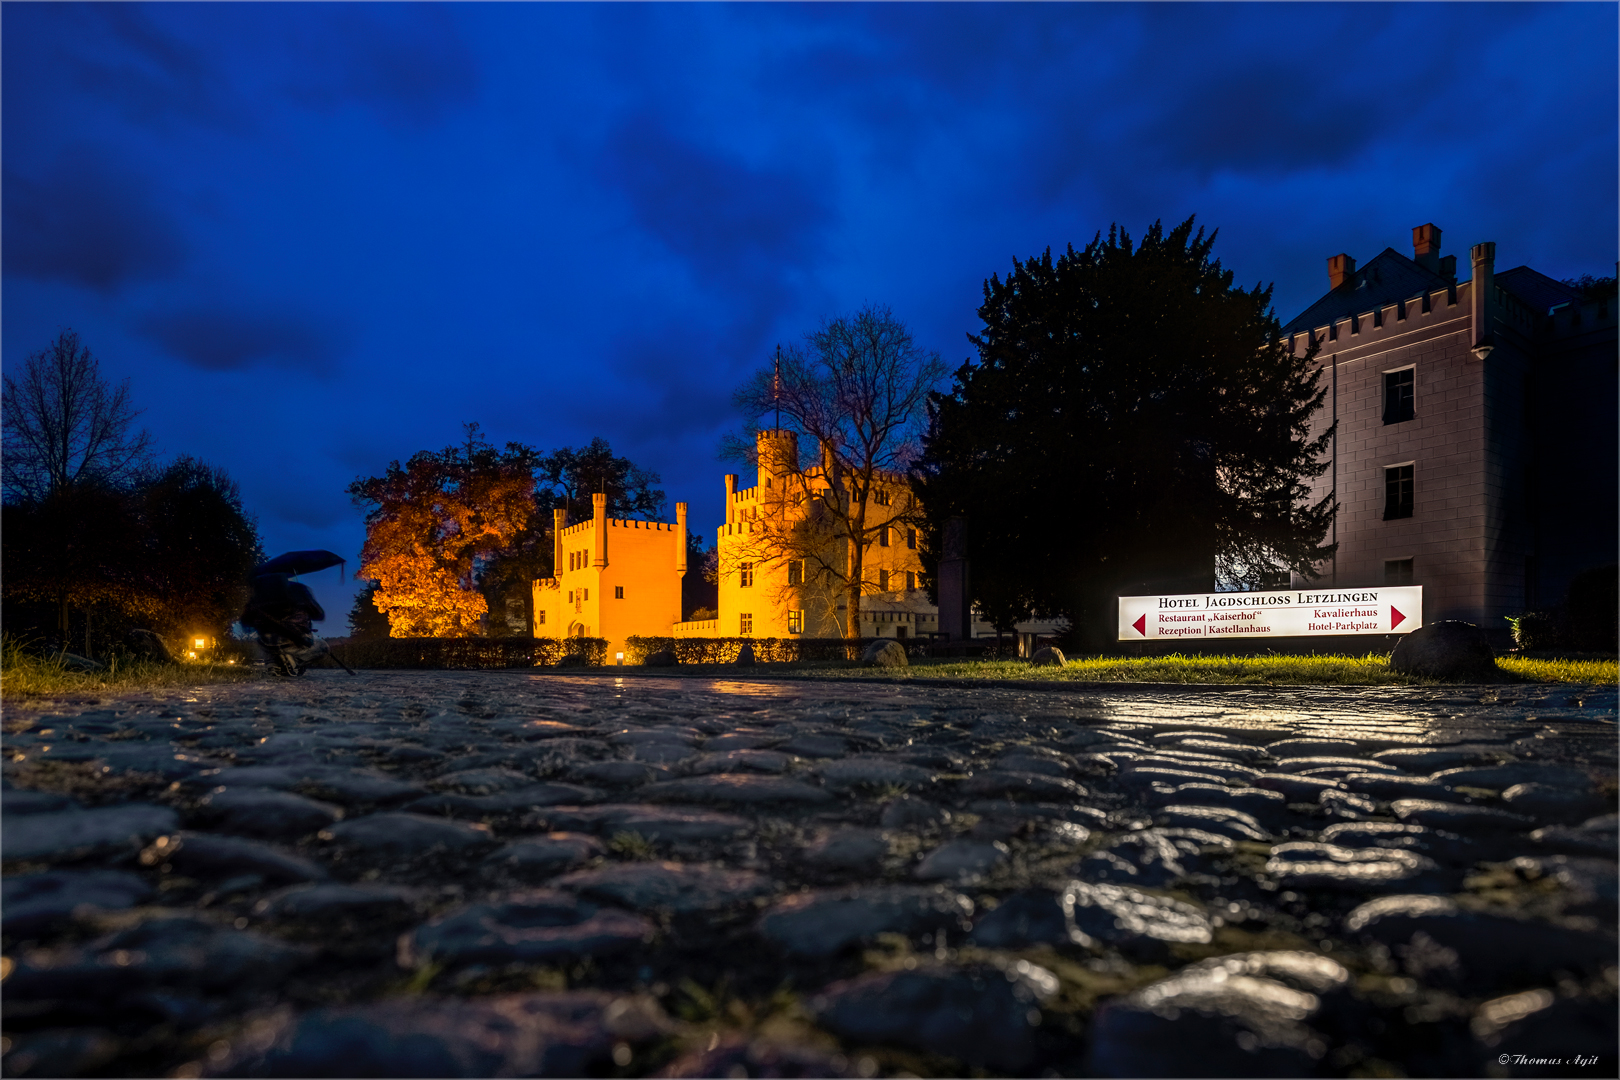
{"x": 778, "y": 453}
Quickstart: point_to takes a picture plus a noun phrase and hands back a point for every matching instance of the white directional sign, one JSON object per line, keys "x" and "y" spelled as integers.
{"x": 1295, "y": 613}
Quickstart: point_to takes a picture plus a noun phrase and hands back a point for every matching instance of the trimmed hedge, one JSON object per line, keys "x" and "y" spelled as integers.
{"x": 470, "y": 652}
{"x": 767, "y": 650}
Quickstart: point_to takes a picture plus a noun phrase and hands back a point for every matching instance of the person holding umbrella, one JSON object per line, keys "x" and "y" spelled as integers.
{"x": 281, "y": 612}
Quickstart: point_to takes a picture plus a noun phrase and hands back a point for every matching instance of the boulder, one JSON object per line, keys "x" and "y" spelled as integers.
{"x": 885, "y": 654}
{"x": 1450, "y": 649}
{"x": 1050, "y": 656}
{"x": 661, "y": 658}
{"x": 745, "y": 656}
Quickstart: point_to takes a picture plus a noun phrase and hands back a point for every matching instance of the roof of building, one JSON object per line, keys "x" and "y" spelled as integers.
{"x": 1536, "y": 289}
{"x": 1388, "y": 278}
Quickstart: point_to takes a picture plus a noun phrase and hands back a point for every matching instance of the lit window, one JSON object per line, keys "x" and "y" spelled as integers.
{"x": 796, "y": 622}
{"x": 883, "y": 536}
{"x": 883, "y": 581}
{"x": 745, "y": 573}
{"x": 745, "y": 624}
{"x": 1397, "y": 492}
{"x": 1397, "y": 571}
{"x": 618, "y": 592}
{"x": 881, "y": 497}
{"x": 796, "y": 572}
{"x": 911, "y": 539}
{"x": 1398, "y": 395}
{"x": 911, "y": 580}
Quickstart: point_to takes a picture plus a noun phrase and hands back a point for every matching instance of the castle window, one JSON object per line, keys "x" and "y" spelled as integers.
{"x": 585, "y": 594}
{"x": 1397, "y": 571}
{"x": 883, "y": 536}
{"x": 883, "y": 581}
{"x": 618, "y": 592}
{"x": 881, "y": 497}
{"x": 1399, "y": 387}
{"x": 745, "y": 624}
{"x": 745, "y": 574}
{"x": 911, "y": 580}
{"x": 796, "y": 622}
{"x": 796, "y": 572}
{"x": 911, "y": 539}
{"x": 570, "y": 596}
{"x": 1398, "y": 485}
{"x": 540, "y": 618}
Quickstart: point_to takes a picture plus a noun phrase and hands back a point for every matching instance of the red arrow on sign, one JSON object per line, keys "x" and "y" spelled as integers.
{"x": 1396, "y": 618}
{"x": 1141, "y": 625}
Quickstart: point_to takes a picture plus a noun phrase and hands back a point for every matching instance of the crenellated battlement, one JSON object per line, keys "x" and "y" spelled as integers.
{"x": 1417, "y": 311}
{"x": 620, "y": 523}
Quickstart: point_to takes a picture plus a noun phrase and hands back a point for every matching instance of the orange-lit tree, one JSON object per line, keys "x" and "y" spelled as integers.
{"x": 431, "y": 522}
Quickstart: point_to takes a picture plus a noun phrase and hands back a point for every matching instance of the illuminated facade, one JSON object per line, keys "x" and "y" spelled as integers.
{"x": 615, "y": 578}
{"x": 1476, "y": 445}
{"x": 784, "y": 567}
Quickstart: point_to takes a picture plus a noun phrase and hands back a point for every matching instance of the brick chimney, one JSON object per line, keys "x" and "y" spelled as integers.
{"x": 1340, "y": 269}
{"x": 1426, "y": 247}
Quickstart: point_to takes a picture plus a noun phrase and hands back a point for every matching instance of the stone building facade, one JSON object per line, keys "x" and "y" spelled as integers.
{"x": 615, "y": 578}
{"x": 1476, "y": 447}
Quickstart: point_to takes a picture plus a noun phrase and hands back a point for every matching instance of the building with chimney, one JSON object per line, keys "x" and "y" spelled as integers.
{"x": 1476, "y": 447}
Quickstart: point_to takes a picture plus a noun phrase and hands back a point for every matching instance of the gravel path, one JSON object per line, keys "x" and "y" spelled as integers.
{"x": 498, "y": 873}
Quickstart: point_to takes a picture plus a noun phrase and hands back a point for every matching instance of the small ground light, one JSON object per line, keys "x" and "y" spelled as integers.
{"x": 620, "y": 658}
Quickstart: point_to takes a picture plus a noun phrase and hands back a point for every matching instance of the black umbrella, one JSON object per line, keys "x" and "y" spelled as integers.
{"x": 299, "y": 562}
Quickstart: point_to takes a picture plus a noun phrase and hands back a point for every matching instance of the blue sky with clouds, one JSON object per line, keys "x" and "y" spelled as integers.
{"x": 319, "y": 237}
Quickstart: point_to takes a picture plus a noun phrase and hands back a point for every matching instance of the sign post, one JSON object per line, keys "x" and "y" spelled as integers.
{"x": 1293, "y": 613}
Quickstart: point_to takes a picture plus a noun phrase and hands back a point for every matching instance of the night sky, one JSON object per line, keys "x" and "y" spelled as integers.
{"x": 320, "y": 237}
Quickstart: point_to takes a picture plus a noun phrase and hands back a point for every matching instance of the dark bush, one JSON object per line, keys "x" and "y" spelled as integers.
{"x": 1536, "y": 630}
{"x": 724, "y": 650}
{"x": 470, "y": 653}
{"x": 1592, "y": 610}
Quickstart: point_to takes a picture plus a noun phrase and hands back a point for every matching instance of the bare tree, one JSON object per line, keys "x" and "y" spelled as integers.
{"x": 64, "y": 426}
{"x": 859, "y": 391}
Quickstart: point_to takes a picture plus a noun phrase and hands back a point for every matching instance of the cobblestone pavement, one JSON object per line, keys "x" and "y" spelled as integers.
{"x": 481, "y": 874}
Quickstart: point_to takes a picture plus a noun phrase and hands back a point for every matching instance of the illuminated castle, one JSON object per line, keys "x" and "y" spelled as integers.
{"x": 615, "y": 578}
{"x": 784, "y": 570}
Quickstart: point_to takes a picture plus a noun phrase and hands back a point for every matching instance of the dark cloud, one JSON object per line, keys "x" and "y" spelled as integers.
{"x": 233, "y": 339}
{"x": 408, "y": 62}
{"x": 724, "y": 216}
{"x": 88, "y": 221}
{"x": 1264, "y": 116}
{"x": 118, "y": 54}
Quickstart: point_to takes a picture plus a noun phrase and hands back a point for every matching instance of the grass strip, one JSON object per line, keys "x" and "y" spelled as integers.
{"x": 24, "y": 675}
{"x": 1370, "y": 670}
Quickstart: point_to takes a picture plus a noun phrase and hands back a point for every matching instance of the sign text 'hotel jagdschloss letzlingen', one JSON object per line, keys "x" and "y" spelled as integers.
{"x": 1295, "y": 613}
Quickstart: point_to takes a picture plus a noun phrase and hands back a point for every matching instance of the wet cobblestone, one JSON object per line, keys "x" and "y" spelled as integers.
{"x": 470, "y": 874}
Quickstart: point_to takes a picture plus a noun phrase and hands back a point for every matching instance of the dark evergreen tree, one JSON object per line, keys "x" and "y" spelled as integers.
{"x": 366, "y": 622}
{"x": 1134, "y": 423}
